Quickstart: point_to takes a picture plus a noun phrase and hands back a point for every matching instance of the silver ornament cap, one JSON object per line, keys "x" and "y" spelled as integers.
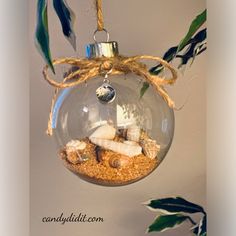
{"x": 102, "y": 49}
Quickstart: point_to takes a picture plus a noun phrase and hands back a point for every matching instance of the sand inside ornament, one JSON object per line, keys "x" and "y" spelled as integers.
{"x": 94, "y": 162}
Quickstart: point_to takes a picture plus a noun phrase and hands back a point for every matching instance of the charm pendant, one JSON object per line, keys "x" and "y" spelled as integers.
{"x": 106, "y": 93}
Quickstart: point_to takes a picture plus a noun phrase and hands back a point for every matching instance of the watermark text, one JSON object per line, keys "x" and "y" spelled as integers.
{"x": 72, "y": 218}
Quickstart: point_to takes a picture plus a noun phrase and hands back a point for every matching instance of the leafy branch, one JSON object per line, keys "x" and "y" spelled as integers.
{"x": 175, "y": 211}
{"x": 66, "y": 17}
{"x": 192, "y": 45}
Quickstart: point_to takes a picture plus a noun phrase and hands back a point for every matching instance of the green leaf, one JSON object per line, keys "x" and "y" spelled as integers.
{"x": 195, "y": 25}
{"x": 144, "y": 89}
{"x": 165, "y": 222}
{"x": 174, "y": 205}
{"x": 41, "y": 34}
{"x": 66, "y": 17}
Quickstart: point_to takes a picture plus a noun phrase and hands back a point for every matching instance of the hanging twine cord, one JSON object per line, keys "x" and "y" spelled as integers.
{"x": 90, "y": 68}
{"x": 100, "y": 20}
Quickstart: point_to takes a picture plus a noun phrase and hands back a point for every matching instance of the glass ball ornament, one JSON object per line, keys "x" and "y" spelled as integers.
{"x": 107, "y": 134}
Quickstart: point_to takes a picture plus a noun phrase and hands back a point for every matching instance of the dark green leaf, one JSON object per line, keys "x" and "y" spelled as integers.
{"x": 168, "y": 56}
{"x": 144, "y": 89}
{"x": 195, "y": 25}
{"x": 156, "y": 70}
{"x": 174, "y": 205}
{"x": 200, "y": 41}
{"x": 199, "y": 37}
{"x": 41, "y": 34}
{"x": 66, "y": 17}
{"x": 201, "y": 228}
{"x": 196, "y": 47}
{"x": 165, "y": 222}
{"x": 191, "y": 53}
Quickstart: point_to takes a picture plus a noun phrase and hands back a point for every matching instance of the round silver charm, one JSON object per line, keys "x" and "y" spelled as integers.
{"x": 106, "y": 93}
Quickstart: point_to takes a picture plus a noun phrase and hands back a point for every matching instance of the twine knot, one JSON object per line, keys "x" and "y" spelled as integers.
{"x": 106, "y": 68}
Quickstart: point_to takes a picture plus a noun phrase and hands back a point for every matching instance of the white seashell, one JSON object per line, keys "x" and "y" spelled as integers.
{"x": 150, "y": 148}
{"x": 75, "y": 145}
{"x": 104, "y": 132}
{"x": 73, "y": 153}
{"x": 133, "y": 133}
{"x": 131, "y": 143}
{"x": 122, "y": 148}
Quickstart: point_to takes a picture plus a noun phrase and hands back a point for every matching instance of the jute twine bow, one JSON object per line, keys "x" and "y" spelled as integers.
{"x": 90, "y": 68}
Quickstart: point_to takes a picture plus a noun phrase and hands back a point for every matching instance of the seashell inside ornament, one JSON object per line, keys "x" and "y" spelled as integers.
{"x": 124, "y": 136}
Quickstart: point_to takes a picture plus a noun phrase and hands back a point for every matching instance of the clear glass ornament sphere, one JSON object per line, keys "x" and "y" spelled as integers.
{"x": 112, "y": 143}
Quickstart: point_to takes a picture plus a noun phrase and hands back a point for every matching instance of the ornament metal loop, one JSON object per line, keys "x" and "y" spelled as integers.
{"x": 104, "y": 30}
{"x": 106, "y": 80}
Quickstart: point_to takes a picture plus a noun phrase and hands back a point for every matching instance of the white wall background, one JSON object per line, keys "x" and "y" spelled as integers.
{"x": 140, "y": 27}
